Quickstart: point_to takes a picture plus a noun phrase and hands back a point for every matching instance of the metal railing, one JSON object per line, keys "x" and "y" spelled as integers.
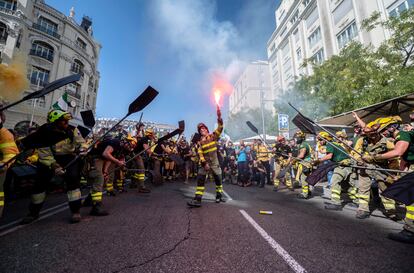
{"x": 43, "y": 54}
{"x": 45, "y": 30}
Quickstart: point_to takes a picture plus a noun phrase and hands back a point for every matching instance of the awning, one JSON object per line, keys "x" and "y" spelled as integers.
{"x": 401, "y": 106}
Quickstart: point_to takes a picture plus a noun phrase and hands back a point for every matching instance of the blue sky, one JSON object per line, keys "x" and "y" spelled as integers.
{"x": 174, "y": 46}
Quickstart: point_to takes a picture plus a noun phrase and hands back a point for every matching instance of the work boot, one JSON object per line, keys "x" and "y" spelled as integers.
{"x": 330, "y": 206}
{"x": 144, "y": 190}
{"x": 34, "y": 212}
{"x": 302, "y": 196}
{"x": 219, "y": 198}
{"x": 111, "y": 193}
{"x": 403, "y": 236}
{"x": 352, "y": 205}
{"x": 88, "y": 201}
{"x": 76, "y": 218}
{"x": 361, "y": 214}
{"x": 97, "y": 210}
{"x": 194, "y": 203}
{"x": 392, "y": 214}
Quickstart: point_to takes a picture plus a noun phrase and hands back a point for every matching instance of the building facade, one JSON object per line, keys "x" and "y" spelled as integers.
{"x": 56, "y": 46}
{"x": 252, "y": 88}
{"x": 318, "y": 29}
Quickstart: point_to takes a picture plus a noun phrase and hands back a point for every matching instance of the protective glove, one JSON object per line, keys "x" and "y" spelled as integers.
{"x": 57, "y": 169}
{"x": 315, "y": 162}
{"x": 368, "y": 158}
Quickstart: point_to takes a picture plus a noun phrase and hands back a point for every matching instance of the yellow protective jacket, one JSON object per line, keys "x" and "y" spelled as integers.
{"x": 207, "y": 150}
{"x": 262, "y": 153}
{"x": 8, "y": 148}
{"x": 64, "y": 147}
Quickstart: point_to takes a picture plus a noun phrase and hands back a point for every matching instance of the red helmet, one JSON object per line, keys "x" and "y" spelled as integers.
{"x": 280, "y": 138}
{"x": 201, "y": 125}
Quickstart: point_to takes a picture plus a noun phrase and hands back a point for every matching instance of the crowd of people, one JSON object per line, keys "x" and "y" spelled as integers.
{"x": 119, "y": 157}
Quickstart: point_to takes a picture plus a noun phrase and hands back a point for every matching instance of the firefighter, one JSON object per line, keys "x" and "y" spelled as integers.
{"x": 8, "y": 150}
{"x": 304, "y": 166}
{"x": 138, "y": 177}
{"x": 404, "y": 149}
{"x": 370, "y": 145}
{"x": 209, "y": 163}
{"x": 51, "y": 162}
{"x": 262, "y": 155}
{"x": 335, "y": 152}
{"x": 283, "y": 157}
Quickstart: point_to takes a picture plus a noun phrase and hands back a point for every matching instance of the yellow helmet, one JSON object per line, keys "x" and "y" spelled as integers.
{"x": 55, "y": 115}
{"x": 131, "y": 139}
{"x": 149, "y": 132}
{"x": 325, "y": 135}
{"x": 384, "y": 122}
{"x": 341, "y": 134}
{"x": 299, "y": 134}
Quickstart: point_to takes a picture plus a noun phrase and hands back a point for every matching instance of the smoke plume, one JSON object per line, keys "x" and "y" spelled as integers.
{"x": 13, "y": 79}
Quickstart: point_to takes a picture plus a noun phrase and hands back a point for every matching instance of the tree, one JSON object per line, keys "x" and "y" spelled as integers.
{"x": 361, "y": 75}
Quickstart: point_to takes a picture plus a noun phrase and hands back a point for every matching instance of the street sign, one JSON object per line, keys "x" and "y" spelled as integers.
{"x": 283, "y": 122}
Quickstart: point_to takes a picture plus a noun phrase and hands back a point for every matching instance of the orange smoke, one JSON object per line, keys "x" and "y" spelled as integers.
{"x": 13, "y": 79}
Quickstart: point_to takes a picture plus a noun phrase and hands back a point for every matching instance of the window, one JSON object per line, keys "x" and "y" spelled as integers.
{"x": 341, "y": 10}
{"x": 80, "y": 43}
{"x": 295, "y": 17}
{"x": 319, "y": 57}
{"x": 39, "y": 76}
{"x": 299, "y": 54}
{"x": 48, "y": 26}
{"x": 312, "y": 18}
{"x": 77, "y": 67}
{"x": 74, "y": 89}
{"x": 3, "y": 33}
{"x": 314, "y": 37}
{"x": 296, "y": 36}
{"x": 306, "y": 3}
{"x": 285, "y": 51}
{"x": 273, "y": 48}
{"x": 42, "y": 50}
{"x": 347, "y": 35}
{"x": 396, "y": 11}
{"x": 8, "y": 4}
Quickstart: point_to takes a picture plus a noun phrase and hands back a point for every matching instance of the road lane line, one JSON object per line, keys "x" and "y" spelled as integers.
{"x": 43, "y": 214}
{"x": 228, "y": 196}
{"x": 40, "y": 218}
{"x": 278, "y": 248}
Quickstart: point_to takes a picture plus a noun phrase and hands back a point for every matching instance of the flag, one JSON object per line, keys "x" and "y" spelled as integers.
{"x": 62, "y": 103}
{"x": 402, "y": 190}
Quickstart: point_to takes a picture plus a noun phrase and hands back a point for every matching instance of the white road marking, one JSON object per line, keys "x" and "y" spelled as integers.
{"x": 278, "y": 248}
{"x": 228, "y": 196}
{"x": 40, "y": 218}
{"x": 43, "y": 214}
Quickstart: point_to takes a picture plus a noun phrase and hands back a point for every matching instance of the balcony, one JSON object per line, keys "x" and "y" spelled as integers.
{"x": 45, "y": 30}
{"x": 43, "y": 54}
{"x": 77, "y": 71}
{"x": 7, "y": 11}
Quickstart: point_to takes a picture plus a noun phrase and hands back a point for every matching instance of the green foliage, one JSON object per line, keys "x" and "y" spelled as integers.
{"x": 360, "y": 75}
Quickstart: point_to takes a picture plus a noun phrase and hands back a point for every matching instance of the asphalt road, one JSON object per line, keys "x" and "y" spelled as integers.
{"x": 158, "y": 233}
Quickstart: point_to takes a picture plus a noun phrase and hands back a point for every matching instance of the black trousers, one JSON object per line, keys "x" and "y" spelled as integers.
{"x": 266, "y": 164}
